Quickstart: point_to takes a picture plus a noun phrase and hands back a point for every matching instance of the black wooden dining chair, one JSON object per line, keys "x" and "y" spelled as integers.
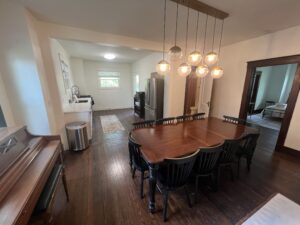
{"x": 143, "y": 124}
{"x": 228, "y": 157}
{"x": 246, "y": 149}
{"x": 165, "y": 121}
{"x": 206, "y": 165}
{"x": 173, "y": 173}
{"x": 183, "y": 118}
{"x": 198, "y": 116}
{"x": 137, "y": 162}
{"x": 235, "y": 120}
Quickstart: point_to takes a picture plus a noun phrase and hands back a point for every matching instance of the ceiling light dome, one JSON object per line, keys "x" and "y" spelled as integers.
{"x": 163, "y": 67}
{"x": 202, "y": 70}
{"x": 217, "y": 72}
{"x": 184, "y": 69}
{"x": 194, "y": 58}
{"x": 109, "y": 56}
{"x": 211, "y": 58}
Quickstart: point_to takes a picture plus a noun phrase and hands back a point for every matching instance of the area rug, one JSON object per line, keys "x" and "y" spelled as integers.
{"x": 111, "y": 124}
{"x": 279, "y": 210}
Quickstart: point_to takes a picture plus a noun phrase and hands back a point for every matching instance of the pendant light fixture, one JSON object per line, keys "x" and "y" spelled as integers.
{"x": 175, "y": 52}
{"x": 217, "y": 71}
{"x": 195, "y": 57}
{"x": 202, "y": 70}
{"x": 212, "y": 57}
{"x": 163, "y": 67}
{"x": 185, "y": 69}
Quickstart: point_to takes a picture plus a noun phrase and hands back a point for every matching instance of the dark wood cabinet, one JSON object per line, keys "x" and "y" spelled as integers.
{"x": 139, "y": 104}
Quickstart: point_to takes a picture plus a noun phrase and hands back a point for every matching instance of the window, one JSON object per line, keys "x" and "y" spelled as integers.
{"x": 137, "y": 83}
{"x": 109, "y": 80}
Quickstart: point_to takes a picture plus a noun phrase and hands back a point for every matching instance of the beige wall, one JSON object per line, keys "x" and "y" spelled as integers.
{"x": 59, "y": 53}
{"x": 19, "y": 70}
{"x": 4, "y": 103}
{"x": 228, "y": 91}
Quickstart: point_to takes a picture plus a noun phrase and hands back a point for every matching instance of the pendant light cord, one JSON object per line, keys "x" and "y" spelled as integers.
{"x": 197, "y": 31}
{"x": 205, "y": 32}
{"x": 213, "y": 40}
{"x": 176, "y": 25}
{"x": 187, "y": 29}
{"x": 165, "y": 12}
{"x": 219, "y": 53}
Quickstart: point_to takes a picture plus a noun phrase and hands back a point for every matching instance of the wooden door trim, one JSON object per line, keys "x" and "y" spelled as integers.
{"x": 251, "y": 68}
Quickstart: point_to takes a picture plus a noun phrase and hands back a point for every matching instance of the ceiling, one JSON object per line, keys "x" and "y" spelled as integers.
{"x": 143, "y": 18}
{"x": 94, "y": 51}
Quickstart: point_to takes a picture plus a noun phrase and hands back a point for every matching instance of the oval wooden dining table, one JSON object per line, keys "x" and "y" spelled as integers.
{"x": 175, "y": 140}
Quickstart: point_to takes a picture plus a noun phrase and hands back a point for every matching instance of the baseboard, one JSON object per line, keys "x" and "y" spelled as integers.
{"x": 103, "y": 109}
{"x": 290, "y": 151}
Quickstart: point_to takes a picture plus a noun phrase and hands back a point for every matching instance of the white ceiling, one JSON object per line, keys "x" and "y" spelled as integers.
{"x": 143, "y": 18}
{"x": 94, "y": 51}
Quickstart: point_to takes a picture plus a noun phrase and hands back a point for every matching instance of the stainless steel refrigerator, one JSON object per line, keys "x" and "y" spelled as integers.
{"x": 154, "y": 97}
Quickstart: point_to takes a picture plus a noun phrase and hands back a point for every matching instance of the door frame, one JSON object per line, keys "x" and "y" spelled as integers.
{"x": 251, "y": 69}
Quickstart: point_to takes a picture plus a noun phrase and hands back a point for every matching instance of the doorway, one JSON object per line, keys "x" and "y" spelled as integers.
{"x": 281, "y": 107}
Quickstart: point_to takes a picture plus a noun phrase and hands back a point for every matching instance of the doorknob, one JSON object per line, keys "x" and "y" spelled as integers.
{"x": 208, "y": 104}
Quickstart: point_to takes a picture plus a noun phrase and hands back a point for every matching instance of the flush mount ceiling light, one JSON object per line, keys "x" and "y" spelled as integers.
{"x": 109, "y": 56}
{"x": 163, "y": 67}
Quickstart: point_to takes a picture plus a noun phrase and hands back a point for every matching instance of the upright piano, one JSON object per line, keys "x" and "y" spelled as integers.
{"x": 26, "y": 163}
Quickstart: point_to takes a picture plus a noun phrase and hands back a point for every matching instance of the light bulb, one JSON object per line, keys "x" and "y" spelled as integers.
{"x": 184, "y": 69}
{"x": 194, "y": 58}
{"x": 211, "y": 58}
{"x": 202, "y": 70}
{"x": 163, "y": 67}
{"x": 217, "y": 72}
{"x": 175, "y": 53}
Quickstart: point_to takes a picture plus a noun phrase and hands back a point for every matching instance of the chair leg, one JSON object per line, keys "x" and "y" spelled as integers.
{"x": 133, "y": 172}
{"x": 231, "y": 173}
{"x": 197, "y": 188}
{"x": 248, "y": 164}
{"x": 165, "y": 205}
{"x": 142, "y": 185}
{"x": 213, "y": 182}
{"x": 64, "y": 180}
{"x": 187, "y": 196}
{"x": 238, "y": 167}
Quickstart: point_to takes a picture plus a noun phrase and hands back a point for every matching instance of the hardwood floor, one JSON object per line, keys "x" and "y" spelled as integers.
{"x": 103, "y": 192}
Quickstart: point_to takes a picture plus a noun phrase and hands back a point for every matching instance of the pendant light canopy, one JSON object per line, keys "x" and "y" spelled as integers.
{"x": 185, "y": 69}
{"x": 163, "y": 67}
{"x": 175, "y": 52}
{"x": 195, "y": 57}
{"x": 212, "y": 57}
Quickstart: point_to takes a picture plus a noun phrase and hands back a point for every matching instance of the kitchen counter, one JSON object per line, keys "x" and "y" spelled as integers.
{"x": 78, "y": 107}
{"x": 83, "y": 111}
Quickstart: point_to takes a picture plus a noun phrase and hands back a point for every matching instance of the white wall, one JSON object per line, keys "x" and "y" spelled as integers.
{"x": 4, "y": 103}
{"x": 228, "y": 91}
{"x": 59, "y": 53}
{"x": 105, "y": 98}
{"x": 19, "y": 70}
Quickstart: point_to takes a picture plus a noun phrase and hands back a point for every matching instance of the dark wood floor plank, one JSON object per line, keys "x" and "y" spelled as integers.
{"x": 103, "y": 192}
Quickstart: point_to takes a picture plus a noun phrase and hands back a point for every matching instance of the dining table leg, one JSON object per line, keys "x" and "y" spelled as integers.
{"x": 152, "y": 186}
